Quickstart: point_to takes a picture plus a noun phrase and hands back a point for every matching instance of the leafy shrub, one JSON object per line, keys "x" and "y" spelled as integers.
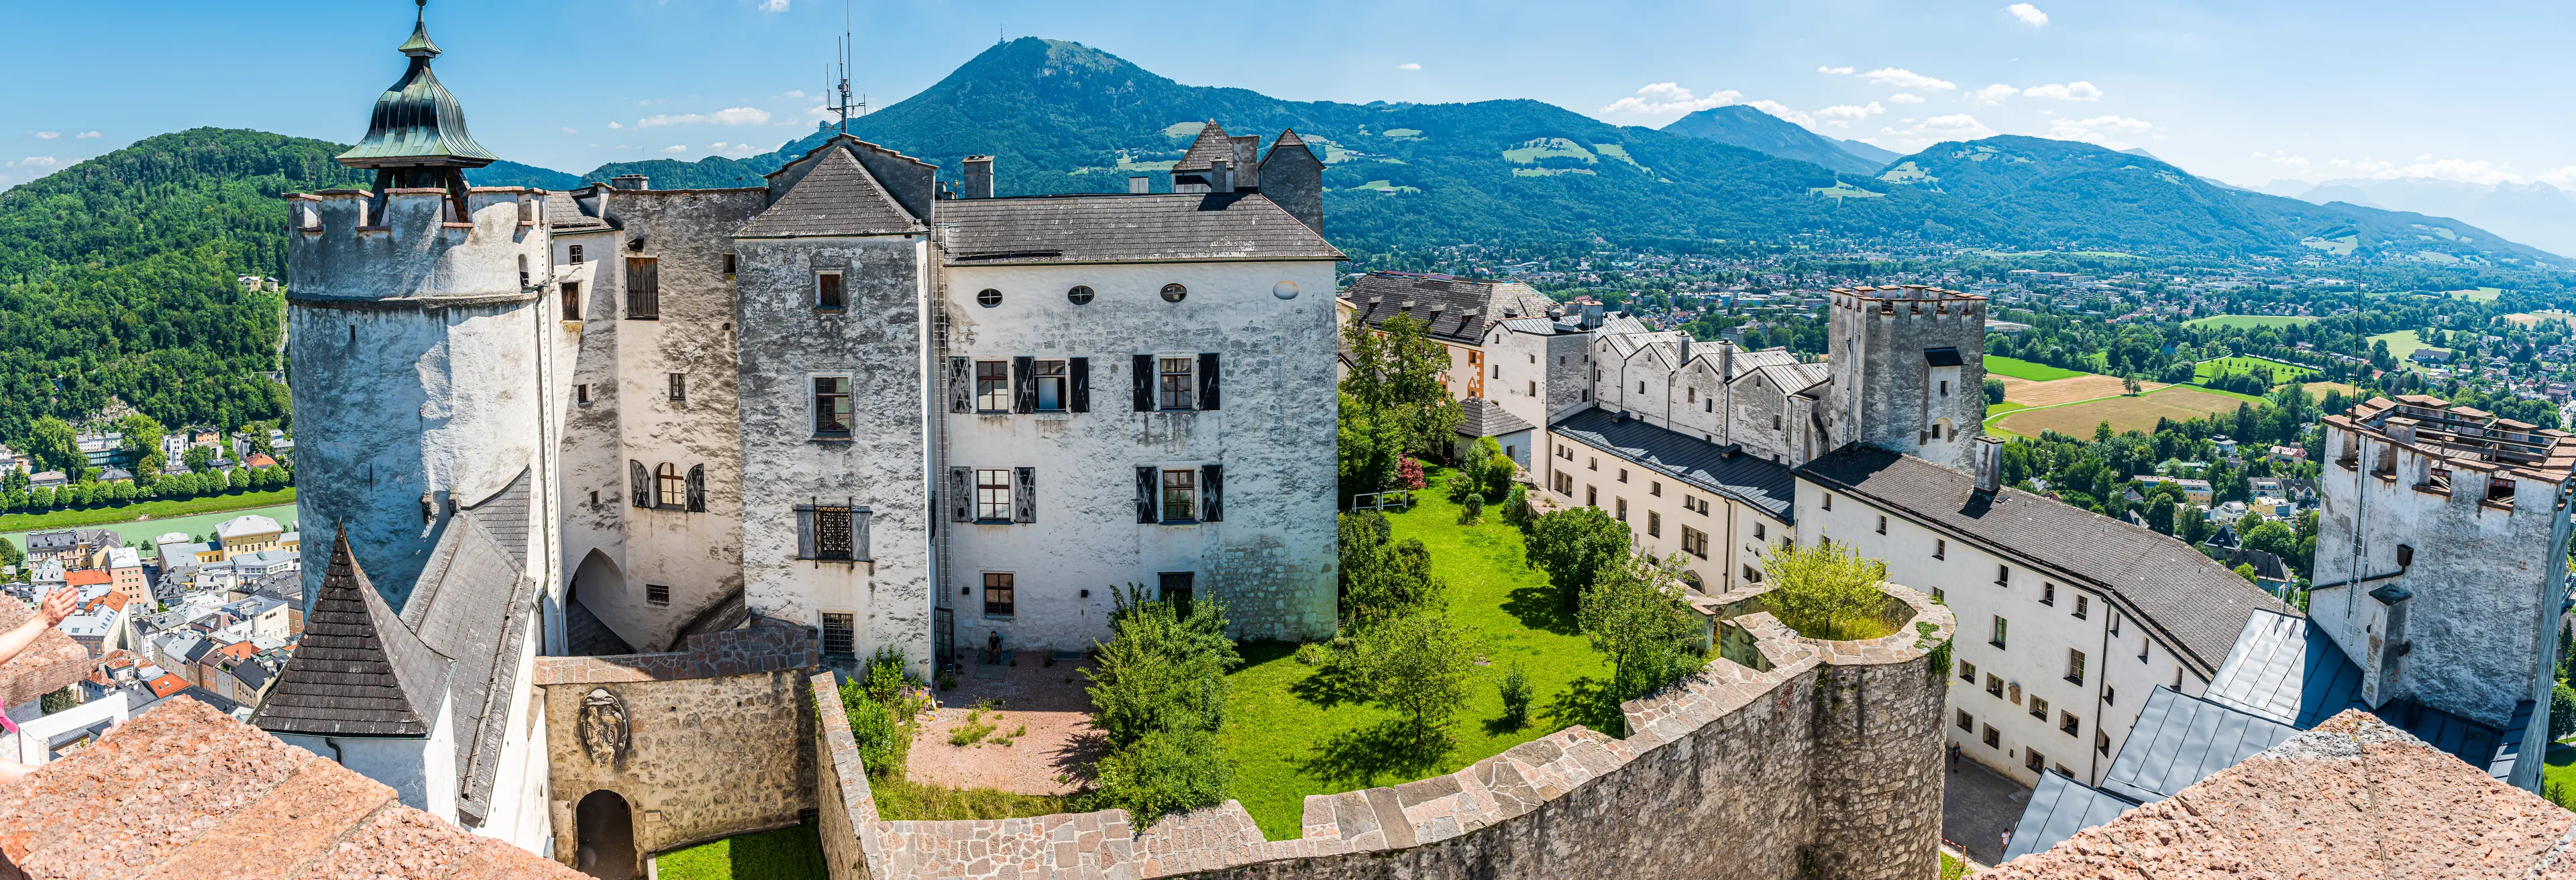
{"x": 1994, "y": 391}
{"x": 1382, "y": 579}
{"x": 2562, "y": 712}
{"x": 1417, "y": 666}
{"x": 1472, "y": 510}
{"x": 1158, "y": 696}
{"x": 1636, "y": 619}
{"x": 1516, "y": 511}
{"x": 1408, "y": 474}
{"x": 885, "y": 676}
{"x": 1515, "y": 690}
{"x": 885, "y": 742}
{"x": 1574, "y": 545}
{"x": 1312, "y": 654}
{"x": 1166, "y": 772}
{"x": 1826, "y": 591}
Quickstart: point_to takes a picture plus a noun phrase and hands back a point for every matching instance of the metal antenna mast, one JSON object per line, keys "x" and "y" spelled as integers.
{"x": 844, "y": 107}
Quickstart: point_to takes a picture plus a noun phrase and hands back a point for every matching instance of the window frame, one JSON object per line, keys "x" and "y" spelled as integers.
{"x": 1005, "y": 585}
{"x": 677, "y": 387}
{"x": 1168, "y": 397}
{"x": 670, "y": 487}
{"x": 992, "y": 387}
{"x": 2075, "y": 661}
{"x": 816, "y": 405}
{"x": 571, "y": 291}
{"x": 1967, "y": 671}
{"x": 987, "y": 508}
{"x": 831, "y": 291}
{"x": 657, "y": 595}
{"x": 848, "y": 632}
{"x": 1182, "y": 495}
{"x": 2038, "y": 707}
{"x": 2000, "y": 634}
{"x": 1654, "y": 524}
{"x": 1061, "y": 379}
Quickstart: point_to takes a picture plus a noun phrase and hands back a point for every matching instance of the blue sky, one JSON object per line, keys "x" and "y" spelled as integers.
{"x": 2246, "y": 92}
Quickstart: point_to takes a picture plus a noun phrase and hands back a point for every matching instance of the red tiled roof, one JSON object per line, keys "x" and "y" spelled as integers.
{"x": 259, "y": 460}
{"x": 87, "y": 577}
{"x": 169, "y": 683}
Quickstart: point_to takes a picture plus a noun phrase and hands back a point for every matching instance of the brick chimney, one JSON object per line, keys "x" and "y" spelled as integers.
{"x": 1220, "y": 175}
{"x": 978, "y": 176}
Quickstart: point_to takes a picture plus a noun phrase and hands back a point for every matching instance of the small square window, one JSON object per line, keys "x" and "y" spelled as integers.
{"x": 2038, "y": 707}
{"x": 2033, "y": 760}
{"x": 1993, "y": 740}
{"x": 827, "y": 292}
{"x": 1967, "y": 672}
{"x": 2070, "y": 725}
{"x": 576, "y": 253}
{"x": 1000, "y": 594}
{"x": 1994, "y": 685}
{"x": 1177, "y": 587}
{"x": 840, "y": 635}
{"x": 1655, "y": 488}
{"x": 1967, "y": 722}
{"x": 1758, "y": 531}
{"x": 1623, "y": 475}
{"x": 657, "y": 594}
{"x": 1181, "y": 495}
{"x": 992, "y": 386}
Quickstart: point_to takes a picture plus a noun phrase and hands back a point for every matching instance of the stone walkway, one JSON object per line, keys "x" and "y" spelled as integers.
{"x": 1049, "y": 759}
{"x": 1977, "y": 806}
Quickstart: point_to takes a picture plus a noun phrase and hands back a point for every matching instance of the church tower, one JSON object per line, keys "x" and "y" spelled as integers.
{"x": 1908, "y": 371}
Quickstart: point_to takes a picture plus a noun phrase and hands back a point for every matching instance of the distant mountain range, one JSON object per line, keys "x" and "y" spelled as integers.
{"x": 1063, "y": 117}
{"x": 2538, "y": 213}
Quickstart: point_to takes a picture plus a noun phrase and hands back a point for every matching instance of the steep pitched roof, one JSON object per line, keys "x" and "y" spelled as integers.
{"x": 358, "y": 671}
{"x": 1459, "y": 309}
{"x": 472, "y": 603}
{"x": 1212, "y": 144}
{"x": 838, "y": 197}
{"x": 1486, "y": 418}
{"x": 2196, "y": 605}
{"x": 1170, "y": 227}
{"x": 1288, "y": 140}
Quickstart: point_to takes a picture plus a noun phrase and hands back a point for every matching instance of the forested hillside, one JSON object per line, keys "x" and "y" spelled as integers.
{"x": 118, "y": 279}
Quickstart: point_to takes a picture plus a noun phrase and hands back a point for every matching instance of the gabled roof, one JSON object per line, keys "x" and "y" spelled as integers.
{"x": 1486, "y": 418}
{"x": 838, "y": 197}
{"x": 2195, "y": 605}
{"x": 1160, "y": 228}
{"x": 2179, "y": 740}
{"x": 1765, "y": 485}
{"x": 472, "y": 602}
{"x": 1288, "y": 140}
{"x": 1212, "y": 144}
{"x": 565, "y": 214}
{"x": 359, "y": 671}
{"x": 1459, "y": 309}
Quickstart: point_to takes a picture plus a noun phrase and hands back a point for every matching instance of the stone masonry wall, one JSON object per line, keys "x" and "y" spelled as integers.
{"x": 1826, "y": 766}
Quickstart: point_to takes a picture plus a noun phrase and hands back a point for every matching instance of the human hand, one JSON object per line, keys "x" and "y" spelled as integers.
{"x": 59, "y": 605}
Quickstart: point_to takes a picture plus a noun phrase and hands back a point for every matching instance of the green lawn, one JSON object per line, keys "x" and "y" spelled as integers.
{"x": 785, "y": 854}
{"x": 2242, "y": 322}
{"x": 2400, "y": 343}
{"x": 2238, "y": 366}
{"x": 1291, "y": 737}
{"x": 2559, "y": 769}
{"x": 90, "y": 516}
{"x": 2021, "y": 369}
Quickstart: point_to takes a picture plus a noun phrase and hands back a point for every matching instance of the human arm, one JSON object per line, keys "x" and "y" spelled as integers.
{"x": 56, "y": 607}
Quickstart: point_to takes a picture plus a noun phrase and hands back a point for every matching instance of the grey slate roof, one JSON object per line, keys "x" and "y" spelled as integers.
{"x": 1459, "y": 309}
{"x": 2179, "y": 740}
{"x": 2059, "y": 807}
{"x": 1721, "y": 469}
{"x": 1169, "y": 227}
{"x": 564, "y": 214}
{"x": 1212, "y": 144}
{"x": 838, "y": 197}
{"x": 472, "y": 602}
{"x": 1485, "y": 418}
{"x": 2195, "y": 605}
{"x": 358, "y": 670}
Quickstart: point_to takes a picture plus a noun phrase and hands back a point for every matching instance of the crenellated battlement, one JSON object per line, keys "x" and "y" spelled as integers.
{"x": 1909, "y": 300}
{"x": 410, "y": 245}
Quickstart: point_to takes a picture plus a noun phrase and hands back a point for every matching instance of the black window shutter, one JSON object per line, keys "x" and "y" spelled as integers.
{"x": 1211, "y": 493}
{"x": 643, "y": 481}
{"x": 1079, "y": 376}
{"x": 1148, "y": 483}
{"x": 859, "y": 534}
{"x": 804, "y": 531}
{"x": 1024, "y": 384}
{"x": 698, "y": 489}
{"x": 1144, "y": 383}
{"x": 961, "y": 385}
{"x": 1207, "y": 380}
{"x": 1024, "y": 495}
{"x": 961, "y": 494}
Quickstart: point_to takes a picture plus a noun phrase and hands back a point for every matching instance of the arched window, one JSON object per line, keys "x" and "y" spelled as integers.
{"x": 642, "y": 489}
{"x": 669, "y": 489}
{"x": 698, "y": 489}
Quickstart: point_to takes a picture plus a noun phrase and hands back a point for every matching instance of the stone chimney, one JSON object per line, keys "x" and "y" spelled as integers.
{"x": 1990, "y": 465}
{"x": 1220, "y": 175}
{"x": 978, "y": 175}
{"x": 1138, "y": 184}
{"x": 1685, "y": 346}
{"x": 1725, "y": 360}
{"x": 631, "y": 181}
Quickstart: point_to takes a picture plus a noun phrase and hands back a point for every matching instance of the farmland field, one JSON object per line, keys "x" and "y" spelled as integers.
{"x": 2124, "y": 413}
{"x": 2247, "y": 321}
{"x": 2021, "y": 369}
{"x": 2239, "y": 366}
{"x": 2318, "y": 389}
{"x": 2081, "y": 386}
{"x": 2400, "y": 343}
{"x": 2530, "y": 318}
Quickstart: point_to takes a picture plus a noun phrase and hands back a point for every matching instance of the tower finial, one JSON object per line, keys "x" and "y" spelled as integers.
{"x": 419, "y": 45}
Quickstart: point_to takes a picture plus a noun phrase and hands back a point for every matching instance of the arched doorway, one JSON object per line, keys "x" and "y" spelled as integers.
{"x": 604, "y": 842}
{"x": 585, "y": 635}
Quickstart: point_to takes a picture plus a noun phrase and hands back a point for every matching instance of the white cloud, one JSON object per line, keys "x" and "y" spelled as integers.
{"x": 571, "y": 130}
{"x": 728, "y": 116}
{"x": 615, "y": 125}
{"x": 2028, "y": 14}
{"x": 1904, "y": 98}
{"x": 1408, "y": 66}
{"x": 34, "y": 162}
{"x": 1667, "y": 97}
{"x": 86, "y": 135}
{"x": 2104, "y": 131}
{"x": 46, "y": 135}
{"x": 2117, "y": 123}
{"x": 773, "y": 5}
{"x": 676, "y": 148}
{"x": 1898, "y": 77}
{"x": 792, "y": 93}
{"x": 2478, "y": 171}
{"x": 1954, "y": 127}
{"x": 1843, "y": 115}
{"x": 2078, "y": 90}
{"x": 734, "y": 150}
{"x": 1783, "y": 111}
{"x": 1842, "y": 71}
{"x": 1993, "y": 94}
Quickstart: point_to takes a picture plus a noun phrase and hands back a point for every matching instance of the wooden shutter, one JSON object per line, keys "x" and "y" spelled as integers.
{"x": 1024, "y": 495}
{"x": 1211, "y": 493}
{"x": 1024, "y": 384}
{"x": 859, "y": 534}
{"x": 961, "y": 385}
{"x": 961, "y": 494}
{"x": 1144, "y": 383}
{"x": 804, "y": 531}
{"x": 643, "y": 288}
{"x": 1078, "y": 376}
{"x": 643, "y": 480}
{"x": 698, "y": 488}
{"x": 1149, "y": 485}
{"x": 1207, "y": 380}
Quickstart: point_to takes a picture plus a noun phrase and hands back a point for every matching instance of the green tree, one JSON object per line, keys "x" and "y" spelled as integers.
{"x": 1573, "y": 545}
{"x": 1826, "y": 591}
{"x": 1158, "y": 697}
{"x": 198, "y": 458}
{"x": 2246, "y": 571}
{"x": 1418, "y": 666}
{"x": 54, "y": 446}
{"x": 2273, "y": 538}
{"x": 1393, "y": 402}
{"x": 2129, "y": 385}
{"x": 1994, "y": 391}
{"x": 2191, "y": 524}
{"x": 9, "y": 552}
{"x": 2562, "y": 712}
{"x": 1383, "y": 579}
{"x": 1636, "y": 619}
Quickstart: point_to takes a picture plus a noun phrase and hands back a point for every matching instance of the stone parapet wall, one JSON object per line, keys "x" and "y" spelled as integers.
{"x": 766, "y": 646}
{"x": 1827, "y": 765}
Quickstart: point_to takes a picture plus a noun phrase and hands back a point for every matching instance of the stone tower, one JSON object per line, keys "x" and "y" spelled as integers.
{"x": 418, "y": 323}
{"x": 1908, "y": 371}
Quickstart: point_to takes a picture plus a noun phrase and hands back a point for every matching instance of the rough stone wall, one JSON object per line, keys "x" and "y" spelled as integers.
{"x": 722, "y": 737}
{"x": 783, "y": 343}
{"x": 1725, "y": 774}
{"x": 1756, "y": 401}
{"x": 1885, "y": 394}
{"x": 1271, "y": 558}
{"x": 1569, "y": 368}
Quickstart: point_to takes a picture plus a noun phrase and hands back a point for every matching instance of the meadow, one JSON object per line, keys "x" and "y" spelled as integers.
{"x": 2124, "y": 413}
{"x": 2246, "y": 322}
{"x": 1998, "y": 365}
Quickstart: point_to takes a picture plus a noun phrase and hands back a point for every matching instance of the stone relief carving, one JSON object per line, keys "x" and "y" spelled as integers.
{"x": 603, "y": 727}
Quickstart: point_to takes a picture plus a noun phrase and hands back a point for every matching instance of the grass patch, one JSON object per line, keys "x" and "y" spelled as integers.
{"x": 2241, "y": 366}
{"x": 2319, "y": 389}
{"x": 2124, "y": 413}
{"x": 158, "y": 509}
{"x": 908, "y": 800}
{"x": 2479, "y": 294}
{"x": 2021, "y": 369}
{"x": 2243, "y": 322}
{"x": 2531, "y": 318}
{"x": 1291, "y": 735}
{"x": 1530, "y": 151}
{"x": 1843, "y": 190}
{"x": 794, "y": 853}
{"x": 2400, "y": 343}
{"x": 1384, "y": 187}
{"x": 1996, "y": 409}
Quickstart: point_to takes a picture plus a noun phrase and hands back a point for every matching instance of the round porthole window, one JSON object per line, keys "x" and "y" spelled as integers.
{"x": 1175, "y": 293}
{"x": 1080, "y": 294}
{"x": 988, "y": 297}
{"x": 1284, "y": 290}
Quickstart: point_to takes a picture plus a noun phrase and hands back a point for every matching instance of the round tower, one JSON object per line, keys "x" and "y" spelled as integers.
{"x": 1909, "y": 371}
{"x": 416, "y": 320}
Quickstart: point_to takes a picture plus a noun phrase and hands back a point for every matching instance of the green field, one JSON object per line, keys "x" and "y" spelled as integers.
{"x": 2559, "y": 771}
{"x": 2400, "y": 343}
{"x": 2021, "y": 369}
{"x": 2244, "y": 322}
{"x": 1289, "y": 738}
{"x": 2241, "y": 366}
{"x": 193, "y": 523}
{"x": 2481, "y": 294}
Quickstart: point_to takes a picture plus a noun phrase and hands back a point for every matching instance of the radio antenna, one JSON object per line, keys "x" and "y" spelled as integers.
{"x": 843, "y": 105}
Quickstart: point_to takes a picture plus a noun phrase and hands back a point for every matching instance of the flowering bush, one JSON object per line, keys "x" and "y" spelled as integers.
{"x": 1408, "y": 475}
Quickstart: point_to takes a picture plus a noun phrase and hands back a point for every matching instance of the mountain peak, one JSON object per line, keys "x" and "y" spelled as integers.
{"x": 1743, "y": 125}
